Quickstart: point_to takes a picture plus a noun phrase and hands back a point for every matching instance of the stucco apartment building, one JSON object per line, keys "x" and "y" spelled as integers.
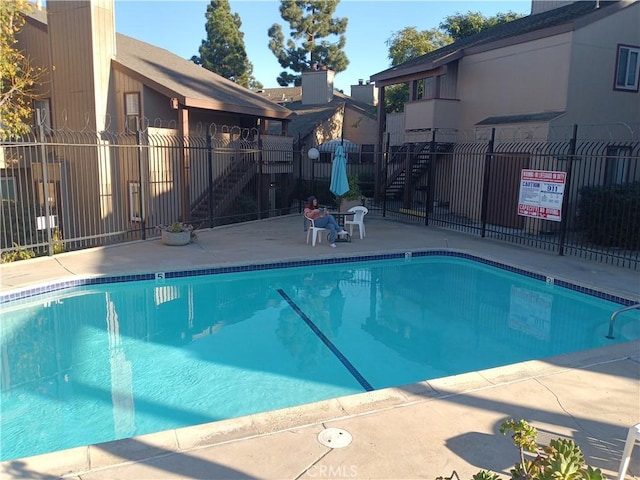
{"x": 565, "y": 63}
{"x": 569, "y": 71}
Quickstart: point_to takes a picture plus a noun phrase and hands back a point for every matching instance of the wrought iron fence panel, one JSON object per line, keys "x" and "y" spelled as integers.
{"x": 64, "y": 190}
{"x": 475, "y": 188}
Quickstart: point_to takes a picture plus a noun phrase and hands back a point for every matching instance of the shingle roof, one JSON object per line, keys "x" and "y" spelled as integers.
{"x": 194, "y": 86}
{"x": 531, "y": 23}
{"x": 308, "y": 117}
{"x": 175, "y": 76}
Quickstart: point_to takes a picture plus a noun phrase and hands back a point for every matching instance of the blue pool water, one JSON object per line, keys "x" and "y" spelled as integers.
{"x": 97, "y": 363}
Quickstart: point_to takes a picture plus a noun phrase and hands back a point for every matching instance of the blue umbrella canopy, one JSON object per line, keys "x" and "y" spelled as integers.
{"x": 339, "y": 182}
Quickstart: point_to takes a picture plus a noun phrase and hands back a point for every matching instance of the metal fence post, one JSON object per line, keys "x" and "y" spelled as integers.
{"x": 45, "y": 183}
{"x": 313, "y": 176}
{"x": 260, "y": 188}
{"x": 385, "y": 176}
{"x": 567, "y": 189}
{"x": 301, "y": 152}
{"x": 210, "y": 171}
{"x": 430, "y": 179}
{"x": 485, "y": 183}
{"x": 141, "y": 196}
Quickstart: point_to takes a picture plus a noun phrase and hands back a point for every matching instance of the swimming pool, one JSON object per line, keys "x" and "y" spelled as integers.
{"x": 120, "y": 359}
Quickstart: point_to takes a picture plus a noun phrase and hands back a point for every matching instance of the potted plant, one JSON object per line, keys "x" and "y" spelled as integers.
{"x": 177, "y": 233}
{"x": 354, "y": 196}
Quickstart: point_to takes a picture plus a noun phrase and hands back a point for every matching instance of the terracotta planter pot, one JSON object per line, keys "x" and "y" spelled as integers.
{"x": 176, "y": 239}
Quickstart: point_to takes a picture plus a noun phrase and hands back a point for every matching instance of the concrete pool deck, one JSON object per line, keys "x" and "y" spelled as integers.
{"x": 423, "y": 430}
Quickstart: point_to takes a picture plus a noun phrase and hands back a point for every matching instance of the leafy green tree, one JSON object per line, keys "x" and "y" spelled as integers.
{"x": 410, "y": 43}
{"x": 404, "y": 45}
{"x": 311, "y": 22}
{"x": 223, "y": 52}
{"x": 18, "y": 78}
{"x": 459, "y": 26}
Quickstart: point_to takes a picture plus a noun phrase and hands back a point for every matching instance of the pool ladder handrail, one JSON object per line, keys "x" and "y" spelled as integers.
{"x": 615, "y": 314}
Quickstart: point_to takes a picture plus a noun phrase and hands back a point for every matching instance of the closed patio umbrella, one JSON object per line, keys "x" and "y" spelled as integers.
{"x": 339, "y": 182}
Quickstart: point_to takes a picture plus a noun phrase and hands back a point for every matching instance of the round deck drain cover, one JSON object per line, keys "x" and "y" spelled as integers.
{"x": 334, "y": 438}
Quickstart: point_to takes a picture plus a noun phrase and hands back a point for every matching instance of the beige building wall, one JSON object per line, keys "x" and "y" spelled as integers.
{"x": 82, "y": 44}
{"x": 519, "y": 79}
{"x": 34, "y": 40}
{"x": 122, "y": 84}
{"x": 359, "y": 128}
{"x": 436, "y": 112}
{"x": 591, "y": 97}
{"x": 395, "y": 128}
{"x": 82, "y": 39}
{"x": 104, "y": 36}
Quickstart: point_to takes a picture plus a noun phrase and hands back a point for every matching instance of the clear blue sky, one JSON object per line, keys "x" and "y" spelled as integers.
{"x": 179, "y": 26}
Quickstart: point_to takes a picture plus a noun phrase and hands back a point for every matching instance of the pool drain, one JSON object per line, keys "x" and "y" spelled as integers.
{"x": 334, "y": 438}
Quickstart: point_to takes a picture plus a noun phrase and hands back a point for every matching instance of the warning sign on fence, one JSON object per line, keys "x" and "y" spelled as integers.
{"x": 541, "y": 194}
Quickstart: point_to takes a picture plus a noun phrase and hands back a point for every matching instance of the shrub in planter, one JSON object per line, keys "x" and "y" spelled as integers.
{"x": 18, "y": 253}
{"x": 610, "y": 215}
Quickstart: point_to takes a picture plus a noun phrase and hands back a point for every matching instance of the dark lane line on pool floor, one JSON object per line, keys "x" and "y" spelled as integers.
{"x": 353, "y": 370}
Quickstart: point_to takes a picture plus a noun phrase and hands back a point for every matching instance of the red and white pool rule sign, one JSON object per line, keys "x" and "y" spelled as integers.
{"x": 541, "y": 194}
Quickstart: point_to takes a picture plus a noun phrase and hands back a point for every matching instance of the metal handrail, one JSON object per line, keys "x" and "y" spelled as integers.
{"x": 615, "y": 314}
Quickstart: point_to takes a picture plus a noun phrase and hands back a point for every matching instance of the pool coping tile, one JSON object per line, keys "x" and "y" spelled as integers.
{"x": 295, "y": 417}
{"x": 213, "y": 433}
{"x": 132, "y": 449}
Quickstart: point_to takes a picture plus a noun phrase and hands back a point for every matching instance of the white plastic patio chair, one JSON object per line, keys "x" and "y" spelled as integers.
{"x": 632, "y": 437}
{"x": 314, "y": 232}
{"x": 358, "y": 219}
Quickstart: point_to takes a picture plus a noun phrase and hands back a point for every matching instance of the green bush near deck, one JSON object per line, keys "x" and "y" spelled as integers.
{"x": 610, "y": 215}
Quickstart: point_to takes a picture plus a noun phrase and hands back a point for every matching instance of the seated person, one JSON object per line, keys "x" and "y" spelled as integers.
{"x": 323, "y": 220}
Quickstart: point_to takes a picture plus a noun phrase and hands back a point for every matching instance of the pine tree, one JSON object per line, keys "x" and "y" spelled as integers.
{"x": 311, "y": 22}
{"x": 223, "y": 52}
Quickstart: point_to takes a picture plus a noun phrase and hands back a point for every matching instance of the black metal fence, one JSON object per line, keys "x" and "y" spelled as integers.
{"x": 481, "y": 188}
{"x": 66, "y": 191}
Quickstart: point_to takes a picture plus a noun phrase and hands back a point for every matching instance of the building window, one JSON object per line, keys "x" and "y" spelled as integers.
{"x": 627, "y": 68}
{"x": 8, "y": 188}
{"x": 44, "y": 107}
{"x": 132, "y": 111}
{"x": 135, "y": 204}
{"x": 617, "y": 165}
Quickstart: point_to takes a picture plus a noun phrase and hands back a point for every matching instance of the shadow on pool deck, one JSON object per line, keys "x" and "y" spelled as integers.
{"x": 422, "y": 430}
